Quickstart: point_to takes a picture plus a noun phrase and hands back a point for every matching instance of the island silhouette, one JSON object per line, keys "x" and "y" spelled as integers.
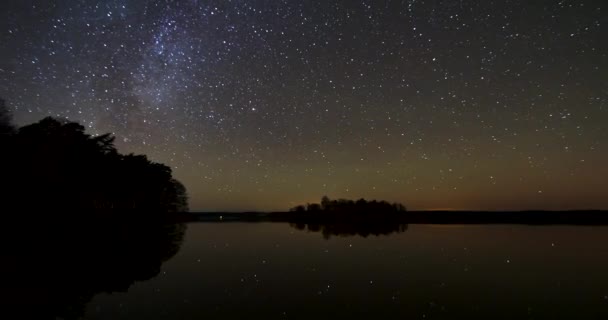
{"x": 344, "y": 217}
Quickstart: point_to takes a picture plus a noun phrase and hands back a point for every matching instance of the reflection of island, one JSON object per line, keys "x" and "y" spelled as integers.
{"x": 345, "y": 229}
{"x": 349, "y": 218}
{"x": 53, "y": 269}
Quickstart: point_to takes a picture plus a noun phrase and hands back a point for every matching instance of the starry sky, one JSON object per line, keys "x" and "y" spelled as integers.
{"x": 262, "y": 105}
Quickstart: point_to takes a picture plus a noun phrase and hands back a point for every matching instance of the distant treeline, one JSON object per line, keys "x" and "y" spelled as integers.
{"x": 349, "y": 206}
{"x": 54, "y": 165}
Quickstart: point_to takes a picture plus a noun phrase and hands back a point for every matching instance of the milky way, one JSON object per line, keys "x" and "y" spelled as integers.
{"x": 261, "y": 105}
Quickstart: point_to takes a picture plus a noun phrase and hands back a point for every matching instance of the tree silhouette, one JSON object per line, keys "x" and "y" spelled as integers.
{"x": 344, "y": 217}
{"x": 325, "y": 203}
{"x": 6, "y": 123}
{"x": 345, "y": 206}
{"x": 177, "y": 197}
{"x": 56, "y": 164}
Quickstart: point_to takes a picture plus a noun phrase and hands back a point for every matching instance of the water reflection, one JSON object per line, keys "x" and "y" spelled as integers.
{"x": 52, "y": 269}
{"x": 355, "y": 228}
{"x": 272, "y": 271}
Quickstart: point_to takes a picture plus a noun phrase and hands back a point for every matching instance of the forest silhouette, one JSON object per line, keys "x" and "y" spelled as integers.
{"x": 54, "y": 165}
{"x": 79, "y": 217}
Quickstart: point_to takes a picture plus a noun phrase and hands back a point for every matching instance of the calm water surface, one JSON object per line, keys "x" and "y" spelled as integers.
{"x": 274, "y": 271}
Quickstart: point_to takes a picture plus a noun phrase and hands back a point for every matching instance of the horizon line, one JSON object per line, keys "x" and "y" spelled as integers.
{"x": 424, "y": 210}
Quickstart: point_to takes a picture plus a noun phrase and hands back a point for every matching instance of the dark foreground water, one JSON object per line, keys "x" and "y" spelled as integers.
{"x": 274, "y": 271}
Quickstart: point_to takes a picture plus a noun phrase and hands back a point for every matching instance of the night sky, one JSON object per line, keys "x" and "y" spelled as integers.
{"x": 262, "y": 105}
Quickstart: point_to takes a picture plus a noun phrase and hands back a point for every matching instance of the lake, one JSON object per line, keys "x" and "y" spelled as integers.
{"x": 275, "y": 271}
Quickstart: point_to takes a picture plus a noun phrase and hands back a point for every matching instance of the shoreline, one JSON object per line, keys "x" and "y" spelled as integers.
{"x": 574, "y": 217}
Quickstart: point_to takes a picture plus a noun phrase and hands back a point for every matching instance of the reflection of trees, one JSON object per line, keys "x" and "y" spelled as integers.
{"x": 349, "y": 218}
{"x": 52, "y": 269}
{"x": 345, "y": 229}
{"x": 349, "y": 225}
